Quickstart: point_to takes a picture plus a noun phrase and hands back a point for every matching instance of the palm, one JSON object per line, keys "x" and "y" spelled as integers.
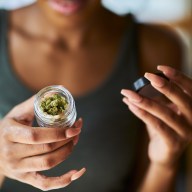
{"x": 158, "y": 150}
{"x": 161, "y": 150}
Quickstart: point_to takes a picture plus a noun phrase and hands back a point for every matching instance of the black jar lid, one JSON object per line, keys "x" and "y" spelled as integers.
{"x": 144, "y": 87}
{"x": 142, "y": 82}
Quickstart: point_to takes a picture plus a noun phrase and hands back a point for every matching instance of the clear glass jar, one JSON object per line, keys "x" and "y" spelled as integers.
{"x": 65, "y": 119}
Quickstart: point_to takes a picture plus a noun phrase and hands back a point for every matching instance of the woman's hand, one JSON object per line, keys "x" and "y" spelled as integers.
{"x": 169, "y": 126}
{"x": 26, "y": 150}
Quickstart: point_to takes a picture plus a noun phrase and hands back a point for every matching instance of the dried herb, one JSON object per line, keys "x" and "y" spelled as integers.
{"x": 54, "y": 104}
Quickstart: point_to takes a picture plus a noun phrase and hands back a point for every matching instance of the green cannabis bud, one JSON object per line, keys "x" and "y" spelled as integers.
{"x": 54, "y": 104}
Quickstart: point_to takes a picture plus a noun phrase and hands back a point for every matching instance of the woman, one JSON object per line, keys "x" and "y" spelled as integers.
{"x": 94, "y": 54}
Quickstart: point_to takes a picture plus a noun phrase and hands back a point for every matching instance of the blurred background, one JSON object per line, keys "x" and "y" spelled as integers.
{"x": 175, "y": 13}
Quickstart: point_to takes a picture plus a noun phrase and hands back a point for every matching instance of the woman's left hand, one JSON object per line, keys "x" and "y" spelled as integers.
{"x": 169, "y": 126}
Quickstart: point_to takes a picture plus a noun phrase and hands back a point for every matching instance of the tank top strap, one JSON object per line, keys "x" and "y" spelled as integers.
{"x": 130, "y": 48}
{"x": 134, "y": 41}
{"x": 6, "y": 69}
{"x": 3, "y": 32}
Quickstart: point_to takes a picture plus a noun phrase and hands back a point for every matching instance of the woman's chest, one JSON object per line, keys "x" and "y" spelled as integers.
{"x": 38, "y": 64}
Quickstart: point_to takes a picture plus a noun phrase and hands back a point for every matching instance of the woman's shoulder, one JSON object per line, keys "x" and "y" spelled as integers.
{"x": 159, "y": 45}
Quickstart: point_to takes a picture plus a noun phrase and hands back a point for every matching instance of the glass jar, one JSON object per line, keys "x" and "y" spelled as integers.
{"x": 64, "y": 119}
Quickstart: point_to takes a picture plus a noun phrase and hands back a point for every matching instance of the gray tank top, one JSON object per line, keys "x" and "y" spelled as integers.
{"x": 110, "y": 133}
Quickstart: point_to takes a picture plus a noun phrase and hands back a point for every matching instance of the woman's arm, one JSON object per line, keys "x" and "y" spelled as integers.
{"x": 26, "y": 150}
{"x": 145, "y": 171}
{"x": 159, "y": 179}
{"x": 169, "y": 126}
{"x": 1, "y": 180}
{"x": 1, "y": 176}
{"x": 158, "y": 45}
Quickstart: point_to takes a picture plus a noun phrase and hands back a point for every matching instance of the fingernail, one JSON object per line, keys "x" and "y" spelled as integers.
{"x": 75, "y": 140}
{"x": 78, "y": 174}
{"x": 155, "y": 79}
{"x": 71, "y": 132}
{"x": 167, "y": 70}
{"x": 125, "y": 100}
{"x": 132, "y": 96}
{"x": 78, "y": 123}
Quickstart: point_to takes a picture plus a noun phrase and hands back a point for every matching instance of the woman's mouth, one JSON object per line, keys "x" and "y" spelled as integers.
{"x": 66, "y": 7}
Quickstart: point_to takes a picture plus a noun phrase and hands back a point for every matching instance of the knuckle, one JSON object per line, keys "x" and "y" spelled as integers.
{"x": 32, "y": 136}
{"x": 160, "y": 124}
{"x": 6, "y": 124}
{"x": 7, "y": 153}
{"x": 44, "y": 186}
{"x": 65, "y": 182}
{"x": 144, "y": 114}
{"x": 42, "y": 182}
{"x": 146, "y": 102}
{"x": 170, "y": 90}
{"x": 47, "y": 163}
{"x": 12, "y": 165}
{"x": 47, "y": 147}
{"x": 57, "y": 134}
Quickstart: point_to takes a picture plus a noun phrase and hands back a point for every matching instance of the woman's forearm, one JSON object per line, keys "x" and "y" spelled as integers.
{"x": 1, "y": 180}
{"x": 159, "y": 178}
{"x": 1, "y": 176}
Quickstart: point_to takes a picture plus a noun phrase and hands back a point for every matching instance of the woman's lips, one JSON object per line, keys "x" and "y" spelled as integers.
{"x": 66, "y": 6}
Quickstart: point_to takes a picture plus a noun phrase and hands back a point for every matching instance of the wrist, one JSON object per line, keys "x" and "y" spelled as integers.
{"x": 164, "y": 168}
{"x": 166, "y": 163}
{"x": 159, "y": 178}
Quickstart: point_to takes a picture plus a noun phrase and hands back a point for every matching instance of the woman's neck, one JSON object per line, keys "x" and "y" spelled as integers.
{"x": 73, "y": 32}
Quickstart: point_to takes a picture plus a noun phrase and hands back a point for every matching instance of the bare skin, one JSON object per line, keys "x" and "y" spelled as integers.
{"x": 57, "y": 52}
{"x": 27, "y": 150}
{"x": 79, "y": 58}
{"x": 81, "y": 50}
{"x": 169, "y": 126}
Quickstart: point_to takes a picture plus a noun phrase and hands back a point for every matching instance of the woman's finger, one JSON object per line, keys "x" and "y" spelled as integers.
{"x": 159, "y": 111}
{"x": 155, "y": 124}
{"x": 45, "y": 161}
{"x": 181, "y": 79}
{"x": 16, "y": 132}
{"x": 174, "y": 93}
{"x": 29, "y": 150}
{"x": 23, "y": 111}
{"x": 49, "y": 183}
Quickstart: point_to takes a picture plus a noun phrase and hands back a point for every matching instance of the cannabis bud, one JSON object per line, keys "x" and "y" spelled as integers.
{"x": 54, "y": 106}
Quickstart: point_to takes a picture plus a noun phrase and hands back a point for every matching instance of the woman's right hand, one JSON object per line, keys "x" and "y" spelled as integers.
{"x": 26, "y": 150}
